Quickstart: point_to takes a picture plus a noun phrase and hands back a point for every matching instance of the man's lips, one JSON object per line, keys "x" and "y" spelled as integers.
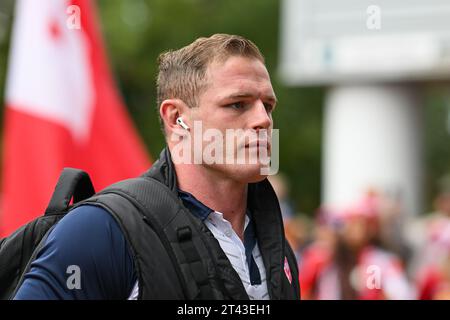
{"x": 258, "y": 144}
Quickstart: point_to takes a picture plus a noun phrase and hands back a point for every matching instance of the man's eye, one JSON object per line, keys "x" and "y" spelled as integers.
{"x": 268, "y": 107}
{"x": 237, "y": 105}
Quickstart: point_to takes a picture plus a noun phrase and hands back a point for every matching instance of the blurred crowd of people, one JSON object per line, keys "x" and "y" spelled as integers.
{"x": 370, "y": 249}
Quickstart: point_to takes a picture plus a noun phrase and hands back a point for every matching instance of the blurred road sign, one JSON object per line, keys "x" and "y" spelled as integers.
{"x": 326, "y": 42}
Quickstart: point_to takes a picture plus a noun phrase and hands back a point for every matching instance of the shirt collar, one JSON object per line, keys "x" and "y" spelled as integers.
{"x": 197, "y": 208}
{"x": 201, "y": 211}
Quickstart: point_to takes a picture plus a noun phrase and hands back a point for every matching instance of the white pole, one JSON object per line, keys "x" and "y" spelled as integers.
{"x": 373, "y": 139}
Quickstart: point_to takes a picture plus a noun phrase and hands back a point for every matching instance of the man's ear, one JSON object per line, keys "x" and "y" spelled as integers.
{"x": 169, "y": 111}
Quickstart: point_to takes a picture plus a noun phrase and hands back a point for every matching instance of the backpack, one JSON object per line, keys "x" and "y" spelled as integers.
{"x": 20, "y": 249}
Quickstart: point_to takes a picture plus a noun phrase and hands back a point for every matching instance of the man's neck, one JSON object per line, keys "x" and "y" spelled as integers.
{"x": 218, "y": 193}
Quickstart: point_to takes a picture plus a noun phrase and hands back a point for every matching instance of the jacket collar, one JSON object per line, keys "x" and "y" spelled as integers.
{"x": 163, "y": 170}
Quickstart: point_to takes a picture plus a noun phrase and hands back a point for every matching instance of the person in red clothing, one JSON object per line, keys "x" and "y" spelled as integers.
{"x": 347, "y": 263}
{"x": 431, "y": 237}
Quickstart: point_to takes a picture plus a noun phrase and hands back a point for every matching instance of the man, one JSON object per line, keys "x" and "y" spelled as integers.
{"x": 220, "y": 85}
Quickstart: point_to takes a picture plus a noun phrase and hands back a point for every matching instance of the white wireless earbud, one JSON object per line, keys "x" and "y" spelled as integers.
{"x": 182, "y": 124}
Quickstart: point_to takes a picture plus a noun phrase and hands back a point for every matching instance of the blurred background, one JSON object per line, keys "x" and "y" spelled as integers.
{"x": 364, "y": 119}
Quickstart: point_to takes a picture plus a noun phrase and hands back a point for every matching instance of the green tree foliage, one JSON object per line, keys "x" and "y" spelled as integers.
{"x": 436, "y": 140}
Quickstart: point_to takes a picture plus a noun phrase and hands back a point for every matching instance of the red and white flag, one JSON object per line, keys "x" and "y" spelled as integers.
{"x": 62, "y": 109}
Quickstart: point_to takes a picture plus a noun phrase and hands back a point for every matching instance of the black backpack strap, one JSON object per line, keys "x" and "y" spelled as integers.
{"x": 19, "y": 250}
{"x": 163, "y": 211}
{"x": 198, "y": 271}
{"x": 72, "y": 183}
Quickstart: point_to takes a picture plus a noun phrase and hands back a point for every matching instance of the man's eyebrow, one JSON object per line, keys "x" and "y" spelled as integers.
{"x": 245, "y": 95}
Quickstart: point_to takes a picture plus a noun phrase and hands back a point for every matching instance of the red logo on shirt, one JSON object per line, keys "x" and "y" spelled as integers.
{"x": 287, "y": 270}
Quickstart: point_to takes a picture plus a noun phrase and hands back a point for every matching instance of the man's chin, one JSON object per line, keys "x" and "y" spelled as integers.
{"x": 249, "y": 173}
{"x": 256, "y": 179}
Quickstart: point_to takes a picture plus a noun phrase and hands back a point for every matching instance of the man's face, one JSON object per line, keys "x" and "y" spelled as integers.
{"x": 238, "y": 95}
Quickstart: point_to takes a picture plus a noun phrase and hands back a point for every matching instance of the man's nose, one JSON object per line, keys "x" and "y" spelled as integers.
{"x": 261, "y": 119}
